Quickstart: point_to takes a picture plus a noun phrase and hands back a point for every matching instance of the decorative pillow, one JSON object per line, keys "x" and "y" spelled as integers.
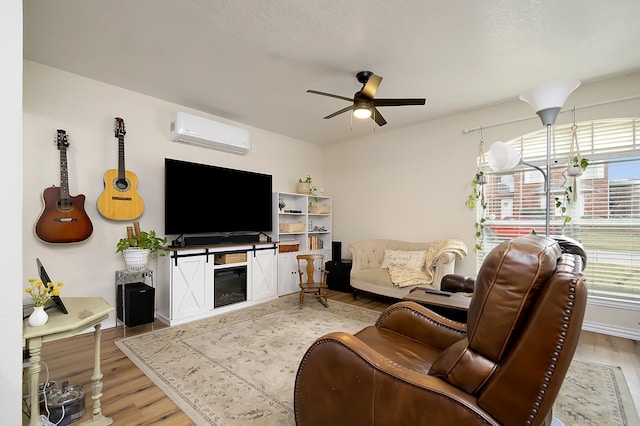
{"x": 414, "y": 260}
{"x": 406, "y": 277}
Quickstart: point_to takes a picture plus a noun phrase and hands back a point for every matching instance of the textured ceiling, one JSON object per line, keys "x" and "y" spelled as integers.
{"x": 252, "y": 61}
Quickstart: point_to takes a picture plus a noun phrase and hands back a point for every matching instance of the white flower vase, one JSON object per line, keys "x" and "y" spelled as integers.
{"x": 136, "y": 258}
{"x": 38, "y": 317}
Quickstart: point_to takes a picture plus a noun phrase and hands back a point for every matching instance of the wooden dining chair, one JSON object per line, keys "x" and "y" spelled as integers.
{"x": 310, "y": 267}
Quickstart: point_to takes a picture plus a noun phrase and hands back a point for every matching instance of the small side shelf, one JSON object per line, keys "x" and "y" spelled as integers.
{"x": 135, "y": 298}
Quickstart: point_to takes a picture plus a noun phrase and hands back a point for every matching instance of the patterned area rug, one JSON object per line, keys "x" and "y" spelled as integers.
{"x": 239, "y": 368}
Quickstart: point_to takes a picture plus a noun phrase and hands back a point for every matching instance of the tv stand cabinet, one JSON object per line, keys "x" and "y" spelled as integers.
{"x": 186, "y": 279}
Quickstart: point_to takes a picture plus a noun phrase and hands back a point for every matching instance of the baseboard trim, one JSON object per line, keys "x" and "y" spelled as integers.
{"x": 625, "y": 333}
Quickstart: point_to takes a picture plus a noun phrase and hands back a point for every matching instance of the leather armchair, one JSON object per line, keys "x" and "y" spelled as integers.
{"x": 414, "y": 367}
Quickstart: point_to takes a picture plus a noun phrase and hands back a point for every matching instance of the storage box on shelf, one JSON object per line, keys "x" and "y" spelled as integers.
{"x": 225, "y": 258}
{"x": 303, "y": 225}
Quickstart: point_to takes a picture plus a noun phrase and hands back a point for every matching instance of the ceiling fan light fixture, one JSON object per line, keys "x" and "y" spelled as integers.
{"x": 362, "y": 110}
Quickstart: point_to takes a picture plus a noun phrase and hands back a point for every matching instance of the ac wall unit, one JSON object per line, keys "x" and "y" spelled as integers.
{"x": 200, "y": 131}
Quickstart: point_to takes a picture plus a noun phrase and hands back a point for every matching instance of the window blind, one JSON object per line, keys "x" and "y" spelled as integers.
{"x": 603, "y": 204}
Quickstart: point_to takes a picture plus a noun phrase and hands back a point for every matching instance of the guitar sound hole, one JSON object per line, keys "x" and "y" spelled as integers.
{"x": 65, "y": 205}
{"x": 121, "y": 184}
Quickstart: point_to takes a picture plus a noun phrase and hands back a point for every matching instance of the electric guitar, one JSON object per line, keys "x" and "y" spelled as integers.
{"x": 63, "y": 219}
{"x": 120, "y": 199}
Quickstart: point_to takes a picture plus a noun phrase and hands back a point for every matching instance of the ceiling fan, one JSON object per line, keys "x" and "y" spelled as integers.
{"x": 364, "y": 102}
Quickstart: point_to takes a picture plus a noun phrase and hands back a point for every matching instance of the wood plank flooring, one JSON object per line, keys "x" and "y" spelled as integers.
{"x": 130, "y": 398}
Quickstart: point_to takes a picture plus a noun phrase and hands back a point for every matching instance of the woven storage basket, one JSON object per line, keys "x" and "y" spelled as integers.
{"x": 224, "y": 258}
{"x": 324, "y": 209}
{"x": 136, "y": 258}
{"x": 292, "y": 227}
{"x": 288, "y": 247}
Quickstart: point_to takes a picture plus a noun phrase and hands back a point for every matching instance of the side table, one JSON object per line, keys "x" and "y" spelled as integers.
{"x": 454, "y": 307}
{"x": 84, "y": 312}
{"x": 339, "y": 277}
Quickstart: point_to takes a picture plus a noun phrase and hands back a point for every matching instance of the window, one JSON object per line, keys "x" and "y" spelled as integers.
{"x": 603, "y": 206}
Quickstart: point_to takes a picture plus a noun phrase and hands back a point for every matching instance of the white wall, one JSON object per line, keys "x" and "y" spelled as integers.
{"x": 412, "y": 183}
{"x": 10, "y": 306}
{"x": 85, "y": 108}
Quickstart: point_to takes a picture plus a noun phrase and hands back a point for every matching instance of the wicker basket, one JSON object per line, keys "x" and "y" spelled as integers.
{"x": 292, "y": 227}
{"x": 136, "y": 258}
{"x": 288, "y": 247}
{"x": 324, "y": 209}
{"x": 225, "y": 258}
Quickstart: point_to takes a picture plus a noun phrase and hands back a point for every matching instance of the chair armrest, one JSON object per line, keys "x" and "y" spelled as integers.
{"x": 416, "y": 322}
{"x": 340, "y": 373}
{"x": 455, "y": 283}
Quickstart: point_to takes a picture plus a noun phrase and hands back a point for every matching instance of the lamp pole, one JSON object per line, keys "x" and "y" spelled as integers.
{"x": 547, "y": 189}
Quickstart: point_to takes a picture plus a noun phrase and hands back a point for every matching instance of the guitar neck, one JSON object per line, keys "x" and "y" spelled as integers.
{"x": 121, "y": 168}
{"x": 64, "y": 174}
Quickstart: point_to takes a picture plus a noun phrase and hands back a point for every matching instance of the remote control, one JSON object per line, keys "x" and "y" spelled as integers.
{"x": 439, "y": 292}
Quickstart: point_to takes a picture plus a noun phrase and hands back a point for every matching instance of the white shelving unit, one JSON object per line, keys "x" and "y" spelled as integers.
{"x": 298, "y": 223}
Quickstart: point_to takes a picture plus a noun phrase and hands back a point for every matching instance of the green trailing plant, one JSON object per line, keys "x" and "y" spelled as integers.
{"x": 473, "y": 200}
{"x": 563, "y": 202}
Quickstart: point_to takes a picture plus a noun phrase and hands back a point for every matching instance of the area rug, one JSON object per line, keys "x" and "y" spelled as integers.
{"x": 239, "y": 368}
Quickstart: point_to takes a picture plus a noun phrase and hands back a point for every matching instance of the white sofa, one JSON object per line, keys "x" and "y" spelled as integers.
{"x": 368, "y": 271}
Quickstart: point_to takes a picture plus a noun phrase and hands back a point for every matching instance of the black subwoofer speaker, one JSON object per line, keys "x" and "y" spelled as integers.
{"x": 336, "y": 251}
{"x": 138, "y": 304}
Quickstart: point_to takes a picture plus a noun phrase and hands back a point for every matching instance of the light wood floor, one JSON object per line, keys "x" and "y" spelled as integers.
{"x": 130, "y": 398}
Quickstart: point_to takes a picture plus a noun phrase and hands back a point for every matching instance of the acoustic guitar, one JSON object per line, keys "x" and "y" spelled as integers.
{"x": 120, "y": 199}
{"x": 63, "y": 219}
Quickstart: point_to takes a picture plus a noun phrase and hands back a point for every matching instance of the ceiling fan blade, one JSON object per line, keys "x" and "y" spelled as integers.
{"x": 349, "y": 108}
{"x": 370, "y": 89}
{"x": 378, "y": 118}
{"x": 399, "y": 102}
{"x": 330, "y": 95}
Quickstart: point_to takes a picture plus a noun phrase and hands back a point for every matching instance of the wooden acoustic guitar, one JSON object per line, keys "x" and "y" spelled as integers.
{"x": 120, "y": 199}
{"x": 63, "y": 219}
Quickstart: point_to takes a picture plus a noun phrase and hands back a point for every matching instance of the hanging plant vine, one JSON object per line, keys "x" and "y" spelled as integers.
{"x": 477, "y": 195}
{"x": 576, "y": 166}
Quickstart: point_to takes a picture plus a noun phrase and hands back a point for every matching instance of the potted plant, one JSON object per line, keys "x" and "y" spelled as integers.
{"x": 305, "y": 186}
{"x": 138, "y": 246}
{"x": 578, "y": 166}
{"x": 281, "y": 204}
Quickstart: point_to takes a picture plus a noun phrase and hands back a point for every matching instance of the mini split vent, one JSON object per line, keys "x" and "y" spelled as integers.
{"x": 194, "y": 130}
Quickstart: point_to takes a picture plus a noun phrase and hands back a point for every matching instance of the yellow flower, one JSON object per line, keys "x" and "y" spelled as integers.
{"x": 41, "y": 293}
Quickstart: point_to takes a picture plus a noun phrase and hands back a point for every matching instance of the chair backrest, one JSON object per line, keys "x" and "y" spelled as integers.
{"x": 307, "y": 265}
{"x": 524, "y": 323}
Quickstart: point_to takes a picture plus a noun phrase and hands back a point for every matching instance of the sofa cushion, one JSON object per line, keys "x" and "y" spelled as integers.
{"x": 414, "y": 260}
{"x": 374, "y": 276}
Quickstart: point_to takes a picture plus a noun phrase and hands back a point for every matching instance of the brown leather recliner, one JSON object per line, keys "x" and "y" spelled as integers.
{"x": 414, "y": 367}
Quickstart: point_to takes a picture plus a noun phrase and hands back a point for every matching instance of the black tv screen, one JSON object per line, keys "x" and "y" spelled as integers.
{"x": 206, "y": 199}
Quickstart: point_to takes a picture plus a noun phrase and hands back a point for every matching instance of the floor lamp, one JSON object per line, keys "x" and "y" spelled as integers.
{"x": 547, "y": 99}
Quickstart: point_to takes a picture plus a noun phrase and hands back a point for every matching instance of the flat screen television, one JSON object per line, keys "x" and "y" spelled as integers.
{"x": 207, "y": 199}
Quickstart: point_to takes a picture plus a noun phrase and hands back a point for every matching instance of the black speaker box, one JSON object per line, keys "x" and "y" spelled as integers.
{"x": 138, "y": 304}
{"x": 336, "y": 251}
{"x": 339, "y": 277}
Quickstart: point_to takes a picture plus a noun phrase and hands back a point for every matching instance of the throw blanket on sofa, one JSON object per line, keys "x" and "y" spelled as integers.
{"x": 407, "y": 277}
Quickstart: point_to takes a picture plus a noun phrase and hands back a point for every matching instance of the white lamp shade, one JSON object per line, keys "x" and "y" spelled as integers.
{"x": 503, "y": 157}
{"x": 550, "y": 96}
